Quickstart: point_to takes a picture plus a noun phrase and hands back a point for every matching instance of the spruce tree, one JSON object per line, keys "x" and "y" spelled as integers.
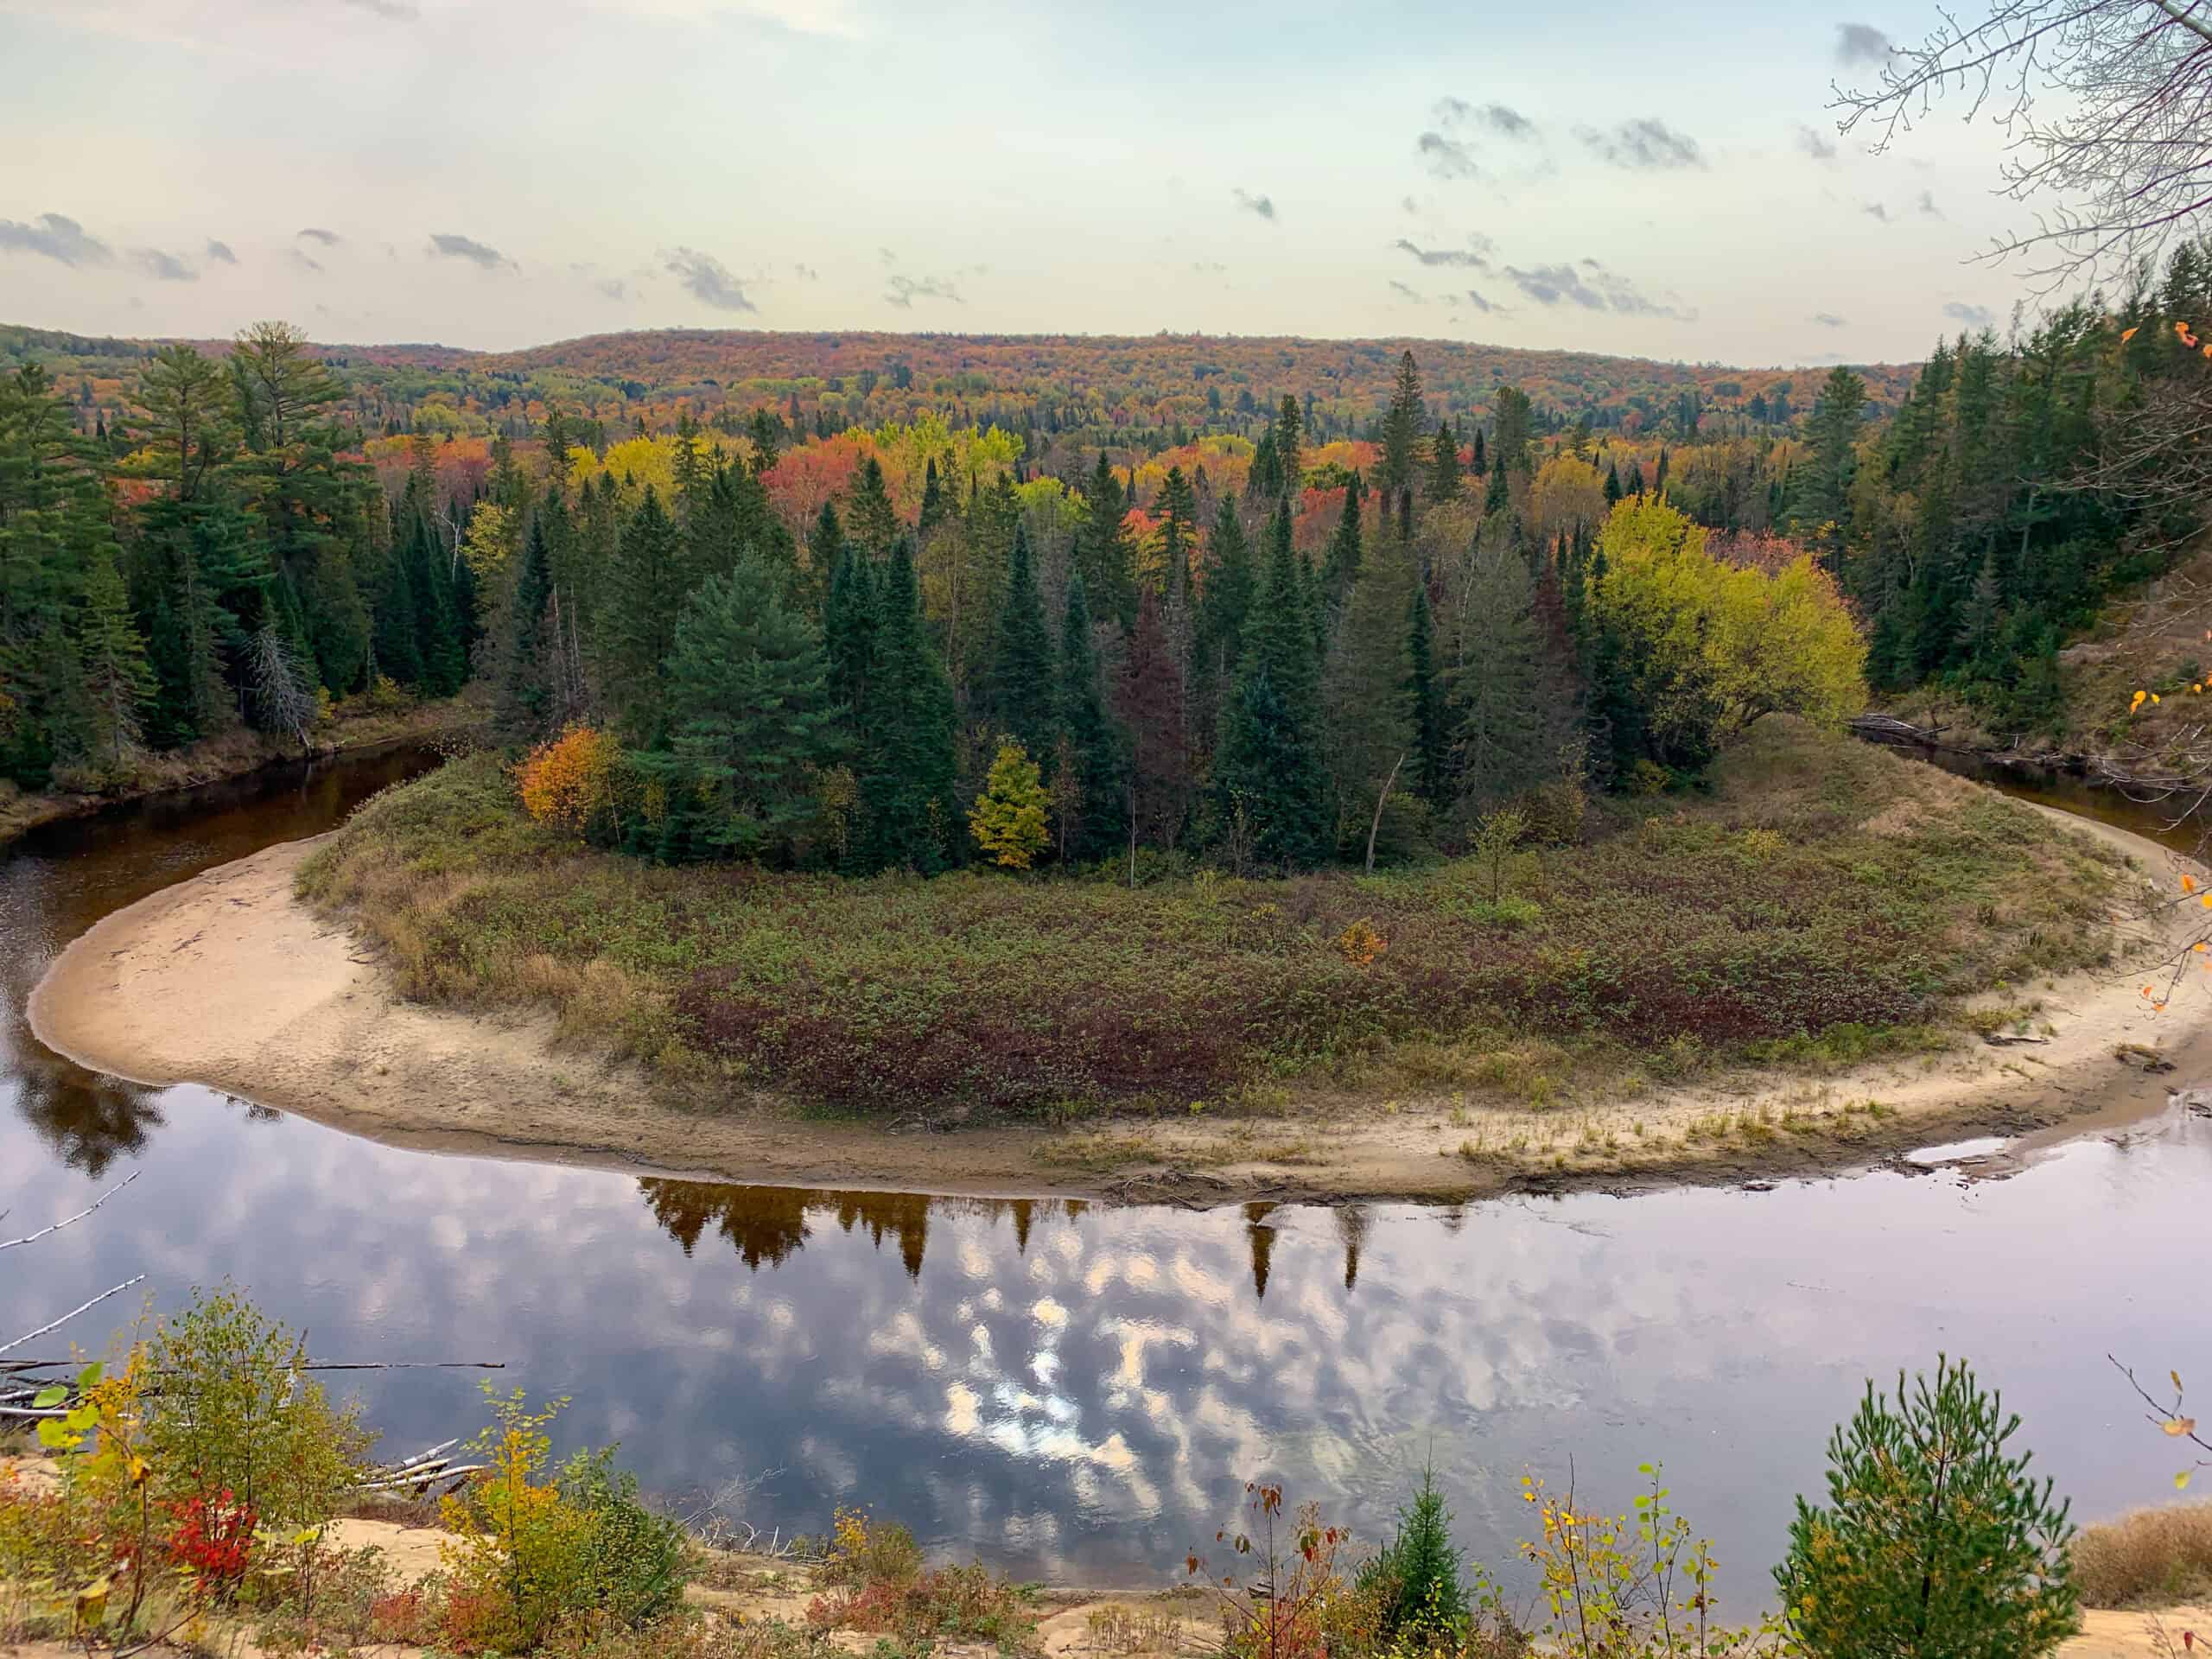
{"x": 1401, "y": 427}
{"x": 1102, "y": 555}
{"x": 643, "y": 596}
{"x": 1093, "y": 746}
{"x": 1178, "y": 507}
{"x": 851, "y": 619}
{"x": 1223, "y": 606}
{"x": 1290, "y": 447}
{"x": 1018, "y": 690}
{"x": 908, "y": 811}
{"x": 872, "y": 521}
{"x": 1432, "y": 755}
{"x": 1268, "y": 770}
{"x": 1416, "y": 1577}
{"x": 1444, "y": 464}
{"x": 527, "y": 697}
{"x": 117, "y": 681}
{"x": 1341, "y": 564}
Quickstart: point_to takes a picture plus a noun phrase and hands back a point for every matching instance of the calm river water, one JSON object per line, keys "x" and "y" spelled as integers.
{"x": 1078, "y": 1391}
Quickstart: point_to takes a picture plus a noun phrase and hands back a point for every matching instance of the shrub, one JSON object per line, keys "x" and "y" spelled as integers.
{"x": 1634, "y": 1587}
{"x": 635, "y": 1561}
{"x": 862, "y": 1552}
{"x": 1935, "y": 1538}
{"x": 568, "y": 784}
{"x": 528, "y": 1553}
{"x": 2153, "y": 1558}
{"x": 235, "y": 1424}
{"x": 1303, "y": 1609}
{"x": 1415, "y": 1577}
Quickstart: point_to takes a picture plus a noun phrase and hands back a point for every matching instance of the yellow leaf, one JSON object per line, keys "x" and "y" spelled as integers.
{"x": 2127, "y": 336}
{"x": 2188, "y": 884}
{"x": 2181, "y": 1481}
{"x": 2177, "y": 1427}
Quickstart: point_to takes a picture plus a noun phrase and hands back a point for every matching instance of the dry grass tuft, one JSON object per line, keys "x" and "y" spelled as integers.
{"x": 2153, "y": 1558}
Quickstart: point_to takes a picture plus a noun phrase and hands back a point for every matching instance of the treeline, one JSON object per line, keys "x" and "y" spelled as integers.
{"x": 222, "y": 562}
{"x": 2017, "y": 486}
{"x": 1072, "y": 680}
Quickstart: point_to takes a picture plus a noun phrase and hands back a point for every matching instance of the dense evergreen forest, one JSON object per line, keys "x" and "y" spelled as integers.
{"x": 745, "y": 633}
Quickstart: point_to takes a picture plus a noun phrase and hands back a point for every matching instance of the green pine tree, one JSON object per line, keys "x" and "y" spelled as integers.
{"x": 1401, "y": 429}
{"x": 1268, "y": 769}
{"x": 1018, "y": 688}
{"x": 755, "y": 719}
{"x": 1934, "y": 1539}
{"x": 643, "y": 597}
{"x": 908, "y": 812}
{"x": 1091, "y": 794}
{"x": 1444, "y": 463}
{"x": 117, "y": 683}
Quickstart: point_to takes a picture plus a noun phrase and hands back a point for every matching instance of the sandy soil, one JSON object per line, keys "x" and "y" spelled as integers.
{"x": 226, "y": 980}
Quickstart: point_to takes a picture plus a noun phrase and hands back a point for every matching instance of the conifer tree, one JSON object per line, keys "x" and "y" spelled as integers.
{"x": 1444, "y": 464}
{"x": 1094, "y": 791}
{"x": 874, "y": 522}
{"x": 1019, "y": 685}
{"x": 1223, "y": 606}
{"x": 1290, "y": 447}
{"x": 1269, "y": 770}
{"x": 932, "y": 513}
{"x": 906, "y": 765}
{"x": 117, "y": 683}
{"x": 1102, "y": 555}
{"x": 851, "y": 619}
{"x": 1341, "y": 564}
{"x": 643, "y": 596}
{"x": 1149, "y": 701}
{"x": 1368, "y": 707}
{"x": 753, "y": 718}
{"x": 1416, "y": 1574}
{"x": 1178, "y": 507}
{"x": 527, "y": 690}
{"x": 1401, "y": 427}
{"x": 1509, "y": 714}
{"x": 1431, "y": 750}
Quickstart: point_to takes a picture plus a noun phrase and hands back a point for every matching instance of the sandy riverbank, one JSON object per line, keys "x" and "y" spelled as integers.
{"x": 227, "y": 980}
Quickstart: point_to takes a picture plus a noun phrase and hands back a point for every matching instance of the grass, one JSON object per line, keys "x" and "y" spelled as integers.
{"x": 1825, "y": 904}
{"x": 2151, "y": 1558}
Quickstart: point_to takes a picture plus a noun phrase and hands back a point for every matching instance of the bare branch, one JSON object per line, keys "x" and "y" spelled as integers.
{"x": 32, "y": 1238}
{"x": 33, "y": 1336}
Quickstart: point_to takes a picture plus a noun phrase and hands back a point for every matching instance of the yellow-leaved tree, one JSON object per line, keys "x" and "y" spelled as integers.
{"x": 1008, "y": 819}
{"x": 1704, "y": 648}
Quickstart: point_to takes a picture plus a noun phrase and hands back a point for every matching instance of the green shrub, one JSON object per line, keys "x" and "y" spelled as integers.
{"x": 1935, "y": 1540}
{"x": 635, "y": 1561}
{"x": 1415, "y": 1577}
{"x": 232, "y": 1415}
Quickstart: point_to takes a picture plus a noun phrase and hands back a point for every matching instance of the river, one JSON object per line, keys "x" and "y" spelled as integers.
{"x": 1074, "y": 1391}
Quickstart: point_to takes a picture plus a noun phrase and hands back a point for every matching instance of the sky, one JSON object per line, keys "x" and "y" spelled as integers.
{"x": 497, "y": 174}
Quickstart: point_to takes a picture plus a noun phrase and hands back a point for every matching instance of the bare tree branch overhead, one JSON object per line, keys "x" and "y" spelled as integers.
{"x": 2107, "y": 104}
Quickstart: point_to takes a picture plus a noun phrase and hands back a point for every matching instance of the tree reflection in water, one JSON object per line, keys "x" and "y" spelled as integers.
{"x": 768, "y": 1225}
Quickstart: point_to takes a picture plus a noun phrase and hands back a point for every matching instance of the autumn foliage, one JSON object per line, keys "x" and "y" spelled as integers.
{"x": 568, "y": 784}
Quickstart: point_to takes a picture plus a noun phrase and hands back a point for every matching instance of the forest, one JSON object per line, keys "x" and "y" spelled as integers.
{"x": 1332, "y": 626}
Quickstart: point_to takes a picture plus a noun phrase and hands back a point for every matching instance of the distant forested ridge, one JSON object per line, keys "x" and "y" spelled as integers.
{"x": 873, "y": 602}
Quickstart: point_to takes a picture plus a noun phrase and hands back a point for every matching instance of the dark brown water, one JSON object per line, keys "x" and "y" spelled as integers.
{"x": 1079, "y": 1391}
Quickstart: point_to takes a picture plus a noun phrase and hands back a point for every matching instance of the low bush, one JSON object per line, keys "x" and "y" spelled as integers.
{"x": 2153, "y": 1558}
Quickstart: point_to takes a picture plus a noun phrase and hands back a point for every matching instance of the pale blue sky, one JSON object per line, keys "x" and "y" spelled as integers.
{"x": 501, "y": 172}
